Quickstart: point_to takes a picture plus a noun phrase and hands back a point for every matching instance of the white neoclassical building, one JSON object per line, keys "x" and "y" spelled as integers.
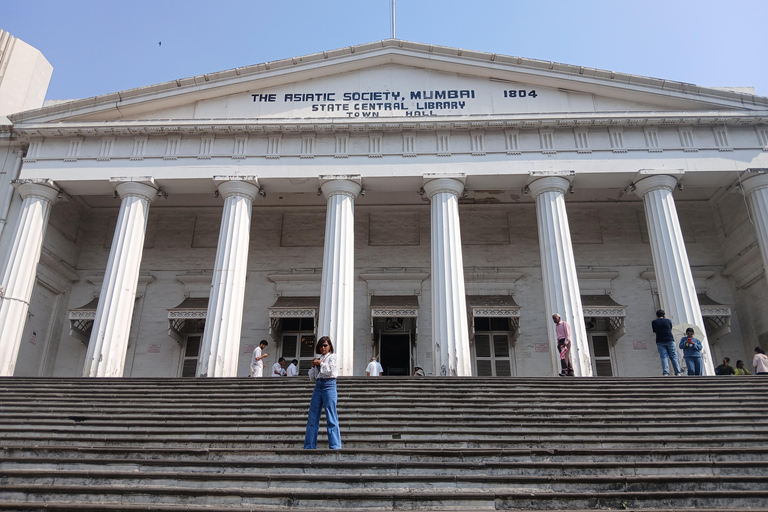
{"x": 424, "y": 204}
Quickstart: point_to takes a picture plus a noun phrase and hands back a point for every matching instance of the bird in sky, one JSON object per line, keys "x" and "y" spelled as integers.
{"x": 159, "y": 43}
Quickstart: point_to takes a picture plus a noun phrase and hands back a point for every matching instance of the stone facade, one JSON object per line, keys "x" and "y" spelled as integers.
{"x": 526, "y": 192}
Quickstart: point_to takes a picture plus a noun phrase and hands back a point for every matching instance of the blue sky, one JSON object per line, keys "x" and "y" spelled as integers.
{"x": 102, "y": 46}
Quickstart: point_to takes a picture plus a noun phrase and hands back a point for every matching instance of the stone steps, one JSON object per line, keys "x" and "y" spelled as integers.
{"x": 523, "y": 498}
{"x": 430, "y": 444}
{"x": 443, "y": 457}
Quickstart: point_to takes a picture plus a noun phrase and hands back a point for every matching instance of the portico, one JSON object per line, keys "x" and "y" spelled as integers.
{"x": 279, "y": 205}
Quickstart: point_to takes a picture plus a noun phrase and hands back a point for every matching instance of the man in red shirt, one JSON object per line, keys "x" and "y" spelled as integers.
{"x": 563, "y": 335}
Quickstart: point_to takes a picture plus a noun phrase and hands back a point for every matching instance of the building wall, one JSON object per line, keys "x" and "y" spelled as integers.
{"x": 606, "y": 236}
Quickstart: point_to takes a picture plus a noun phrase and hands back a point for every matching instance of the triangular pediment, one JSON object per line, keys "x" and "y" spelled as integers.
{"x": 395, "y": 78}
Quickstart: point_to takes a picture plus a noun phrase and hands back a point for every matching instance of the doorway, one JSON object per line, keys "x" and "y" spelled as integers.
{"x": 602, "y": 357}
{"x": 395, "y": 353}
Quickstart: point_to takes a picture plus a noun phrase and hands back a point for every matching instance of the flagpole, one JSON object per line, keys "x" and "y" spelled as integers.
{"x": 393, "y": 19}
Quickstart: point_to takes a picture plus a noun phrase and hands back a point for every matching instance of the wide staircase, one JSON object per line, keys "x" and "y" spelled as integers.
{"x": 436, "y": 444}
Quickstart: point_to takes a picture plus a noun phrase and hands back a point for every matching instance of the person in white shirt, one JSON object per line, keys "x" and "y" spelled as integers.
{"x": 257, "y": 365}
{"x": 324, "y": 371}
{"x": 760, "y": 362}
{"x": 293, "y": 370}
{"x": 374, "y": 369}
{"x": 277, "y": 368}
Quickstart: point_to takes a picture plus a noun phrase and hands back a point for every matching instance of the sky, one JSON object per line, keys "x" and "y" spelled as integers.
{"x": 102, "y": 46}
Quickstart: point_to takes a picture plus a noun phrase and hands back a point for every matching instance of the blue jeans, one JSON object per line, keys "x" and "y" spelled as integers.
{"x": 323, "y": 395}
{"x": 667, "y": 350}
{"x": 694, "y": 365}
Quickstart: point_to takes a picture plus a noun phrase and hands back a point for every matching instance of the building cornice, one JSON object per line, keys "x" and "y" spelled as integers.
{"x": 265, "y": 127}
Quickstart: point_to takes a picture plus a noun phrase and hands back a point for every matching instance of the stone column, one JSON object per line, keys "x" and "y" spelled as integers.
{"x": 756, "y": 190}
{"x": 111, "y": 327}
{"x": 336, "y": 315}
{"x": 450, "y": 333}
{"x": 221, "y": 338}
{"x": 677, "y": 291}
{"x": 20, "y": 269}
{"x": 558, "y": 271}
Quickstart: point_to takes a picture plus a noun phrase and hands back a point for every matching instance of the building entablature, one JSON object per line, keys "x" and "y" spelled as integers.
{"x": 235, "y": 127}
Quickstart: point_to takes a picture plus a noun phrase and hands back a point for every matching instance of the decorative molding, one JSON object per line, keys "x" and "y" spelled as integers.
{"x": 293, "y": 313}
{"x": 496, "y": 312}
{"x": 715, "y": 311}
{"x": 616, "y": 136}
{"x": 652, "y": 140}
{"x": 721, "y": 138}
{"x": 105, "y": 150}
{"x": 390, "y": 312}
{"x": 547, "y": 141}
{"x": 512, "y": 141}
{"x": 341, "y": 146}
{"x": 187, "y": 314}
{"x": 409, "y": 144}
{"x": 240, "y": 149}
{"x": 374, "y": 144}
{"x": 73, "y": 150}
{"x": 307, "y": 145}
{"x": 172, "y": 147}
{"x": 605, "y": 312}
{"x": 477, "y": 142}
{"x": 139, "y": 148}
{"x": 581, "y": 138}
{"x": 274, "y": 145}
{"x": 443, "y": 143}
{"x": 206, "y": 148}
{"x": 686, "y": 139}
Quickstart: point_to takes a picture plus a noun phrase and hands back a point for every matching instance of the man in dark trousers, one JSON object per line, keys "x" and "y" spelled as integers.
{"x": 563, "y": 335}
{"x": 665, "y": 343}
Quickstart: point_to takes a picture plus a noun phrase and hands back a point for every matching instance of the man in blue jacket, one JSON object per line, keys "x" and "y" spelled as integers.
{"x": 665, "y": 343}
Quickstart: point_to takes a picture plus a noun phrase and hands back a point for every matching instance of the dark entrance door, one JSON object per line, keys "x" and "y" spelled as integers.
{"x": 395, "y": 353}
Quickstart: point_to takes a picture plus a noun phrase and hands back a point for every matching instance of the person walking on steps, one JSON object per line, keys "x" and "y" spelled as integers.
{"x": 563, "y": 335}
{"x": 257, "y": 365}
{"x": 324, "y": 371}
{"x": 665, "y": 343}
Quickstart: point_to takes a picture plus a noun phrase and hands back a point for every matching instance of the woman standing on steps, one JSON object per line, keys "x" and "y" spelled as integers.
{"x": 324, "y": 371}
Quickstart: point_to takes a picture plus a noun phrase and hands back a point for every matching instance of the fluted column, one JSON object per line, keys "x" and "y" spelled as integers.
{"x": 558, "y": 270}
{"x": 336, "y": 315}
{"x": 756, "y": 190}
{"x": 109, "y": 336}
{"x": 20, "y": 269}
{"x": 450, "y": 333}
{"x": 677, "y": 291}
{"x": 221, "y": 336}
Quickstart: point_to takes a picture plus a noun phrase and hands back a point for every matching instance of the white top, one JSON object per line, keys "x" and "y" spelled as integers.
{"x": 277, "y": 370}
{"x": 374, "y": 369}
{"x": 328, "y": 369}
{"x": 760, "y": 362}
{"x": 292, "y": 371}
{"x": 256, "y": 363}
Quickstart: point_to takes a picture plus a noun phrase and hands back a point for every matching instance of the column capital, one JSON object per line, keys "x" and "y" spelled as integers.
{"x": 138, "y": 189}
{"x": 754, "y": 183}
{"x": 341, "y": 186}
{"x": 660, "y": 181}
{"x": 443, "y": 185}
{"x": 549, "y": 184}
{"x": 247, "y": 189}
{"x": 42, "y": 189}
